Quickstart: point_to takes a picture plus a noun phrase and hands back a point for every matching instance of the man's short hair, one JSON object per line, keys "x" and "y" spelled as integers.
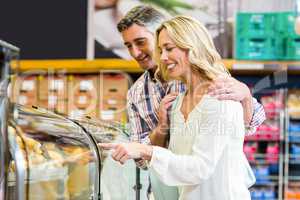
{"x": 143, "y": 15}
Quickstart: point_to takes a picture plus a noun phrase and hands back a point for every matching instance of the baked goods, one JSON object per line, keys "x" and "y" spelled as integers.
{"x": 293, "y": 103}
{"x": 77, "y": 155}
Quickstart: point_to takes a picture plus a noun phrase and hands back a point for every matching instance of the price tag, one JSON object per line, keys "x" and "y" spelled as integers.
{"x": 52, "y": 100}
{"x": 86, "y": 85}
{"x": 27, "y": 85}
{"x": 82, "y": 99}
{"x": 23, "y": 100}
{"x": 107, "y": 114}
{"x": 56, "y": 85}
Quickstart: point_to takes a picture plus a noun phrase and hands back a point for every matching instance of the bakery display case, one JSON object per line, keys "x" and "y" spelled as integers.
{"x": 117, "y": 181}
{"x": 47, "y": 156}
{"x": 51, "y": 157}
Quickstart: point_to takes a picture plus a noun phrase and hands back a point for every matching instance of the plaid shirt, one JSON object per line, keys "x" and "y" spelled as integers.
{"x": 143, "y": 101}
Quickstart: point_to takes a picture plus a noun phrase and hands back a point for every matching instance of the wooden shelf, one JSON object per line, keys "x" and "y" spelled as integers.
{"x": 88, "y": 66}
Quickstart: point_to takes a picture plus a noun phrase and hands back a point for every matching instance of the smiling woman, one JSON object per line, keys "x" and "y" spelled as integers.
{"x": 194, "y": 42}
{"x": 173, "y": 60}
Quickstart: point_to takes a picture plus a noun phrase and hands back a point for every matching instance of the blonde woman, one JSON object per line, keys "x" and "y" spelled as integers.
{"x": 205, "y": 158}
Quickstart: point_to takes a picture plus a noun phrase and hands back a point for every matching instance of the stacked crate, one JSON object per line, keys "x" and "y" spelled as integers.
{"x": 255, "y": 39}
{"x": 291, "y": 40}
{"x": 266, "y": 36}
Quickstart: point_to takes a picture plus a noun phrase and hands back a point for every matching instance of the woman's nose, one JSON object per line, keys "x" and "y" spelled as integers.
{"x": 163, "y": 56}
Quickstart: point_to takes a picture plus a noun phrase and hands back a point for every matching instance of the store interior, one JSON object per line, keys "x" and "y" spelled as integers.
{"x": 63, "y": 90}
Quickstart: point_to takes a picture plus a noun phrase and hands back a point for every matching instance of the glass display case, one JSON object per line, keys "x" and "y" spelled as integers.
{"x": 8, "y": 54}
{"x": 52, "y": 157}
{"x": 117, "y": 181}
{"x": 46, "y": 156}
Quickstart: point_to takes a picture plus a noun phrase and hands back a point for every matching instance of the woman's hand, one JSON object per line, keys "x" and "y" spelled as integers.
{"x": 165, "y": 104}
{"x": 125, "y": 151}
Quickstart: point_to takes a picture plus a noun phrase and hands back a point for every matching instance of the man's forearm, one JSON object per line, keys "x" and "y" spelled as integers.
{"x": 248, "y": 108}
{"x": 158, "y": 136}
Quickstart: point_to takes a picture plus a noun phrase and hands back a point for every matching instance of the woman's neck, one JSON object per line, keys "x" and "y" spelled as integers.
{"x": 196, "y": 85}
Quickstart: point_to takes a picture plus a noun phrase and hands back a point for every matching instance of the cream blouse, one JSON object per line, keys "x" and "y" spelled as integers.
{"x": 205, "y": 158}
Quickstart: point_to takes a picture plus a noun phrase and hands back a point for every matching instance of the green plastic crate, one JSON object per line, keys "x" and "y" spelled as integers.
{"x": 264, "y": 48}
{"x": 267, "y": 36}
{"x": 255, "y": 24}
{"x": 286, "y": 24}
{"x": 292, "y": 48}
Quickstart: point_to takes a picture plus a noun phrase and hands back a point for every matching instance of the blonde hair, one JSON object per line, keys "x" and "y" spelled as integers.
{"x": 189, "y": 34}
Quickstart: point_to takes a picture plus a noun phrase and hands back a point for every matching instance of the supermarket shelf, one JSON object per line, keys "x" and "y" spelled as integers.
{"x": 83, "y": 65}
{"x": 266, "y": 183}
{"x": 263, "y": 67}
{"x": 294, "y": 133}
{"x": 294, "y": 162}
{"x": 294, "y": 178}
{"x": 262, "y": 159}
{"x": 266, "y": 180}
{"x": 262, "y": 162}
{"x": 295, "y": 141}
{"x": 76, "y": 65}
{"x": 260, "y": 139}
{"x": 294, "y": 159}
{"x": 294, "y": 138}
{"x": 271, "y": 178}
{"x": 294, "y": 118}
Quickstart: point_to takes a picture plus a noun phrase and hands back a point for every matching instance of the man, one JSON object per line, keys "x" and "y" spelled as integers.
{"x": 143, "y": 100}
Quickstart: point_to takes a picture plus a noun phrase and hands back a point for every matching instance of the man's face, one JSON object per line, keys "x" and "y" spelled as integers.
{"x": 140, "y": 44}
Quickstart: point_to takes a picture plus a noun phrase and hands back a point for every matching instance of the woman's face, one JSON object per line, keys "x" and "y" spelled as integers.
{"x": 174, "y": 58}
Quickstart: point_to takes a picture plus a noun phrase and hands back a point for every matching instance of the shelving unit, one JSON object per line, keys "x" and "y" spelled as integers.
{"x": 292, "y": 147}
{"x": 264, "y": 149}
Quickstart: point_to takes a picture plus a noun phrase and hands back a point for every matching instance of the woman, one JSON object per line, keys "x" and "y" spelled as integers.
{"x": 205, "y": 158}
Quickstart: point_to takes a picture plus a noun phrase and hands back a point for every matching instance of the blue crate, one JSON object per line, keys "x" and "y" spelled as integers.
{"x": 294, "y": 138}
{"x": 269, "y": 194}
{"x": 295, "y": 150}
{"x": 256, "y": 194}
{"x": 294, "y": 127}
